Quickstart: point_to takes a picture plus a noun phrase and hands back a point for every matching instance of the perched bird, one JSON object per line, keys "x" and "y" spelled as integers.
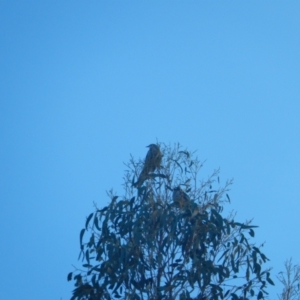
{"x": 152, "y": 162}
{"x": 180, "y": 198}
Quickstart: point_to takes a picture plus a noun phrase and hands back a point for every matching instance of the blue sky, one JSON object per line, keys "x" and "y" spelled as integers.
{"x": 85, "y": 84}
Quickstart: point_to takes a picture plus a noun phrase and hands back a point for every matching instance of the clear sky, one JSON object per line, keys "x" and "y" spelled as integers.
{"x": 84, "y": 84}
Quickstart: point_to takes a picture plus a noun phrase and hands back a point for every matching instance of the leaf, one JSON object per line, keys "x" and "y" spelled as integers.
{"x": 174, "y": 265}
{"x": 137, "y": 297}
{"x": 94, "y": 280}
{"x": 227, "y": 292}
{"x": 224, "y": 253}
{"x": 186, "y": 153}
{"x": 256, "y": 249}
{"x": 228, "y": 197}
{"x": 177, "y": 163}
{"x": 248, "y": 273}
{"x": 132, "y": 201}
{"x": 103, "y": 209}
{"x": 81, "y": 236}
{"x": 96, "y": 222}
{"x": 154, "y": 175}
{"x": 242, "y": 238}
{"x": 70, "y": 276}
{"x": 264, "y": 258}
{"x": 251, "y": 232}
{"x": 117, "y": 286}
{"x": 81, "y": 252}
{"x": 88, "y": 220}
{"x": 232, "y": 263}
{"x": 91, "y": 241}
{"x": 87, "y": 256}
{"x": 257, "y": 268}
{"x": 269, "y": 279}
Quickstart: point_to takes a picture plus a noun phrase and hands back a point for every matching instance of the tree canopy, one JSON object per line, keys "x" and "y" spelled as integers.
{"x": 166, "y": 238}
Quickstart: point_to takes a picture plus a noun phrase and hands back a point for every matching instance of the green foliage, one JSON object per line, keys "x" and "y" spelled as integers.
{"x": 143, "y": 246}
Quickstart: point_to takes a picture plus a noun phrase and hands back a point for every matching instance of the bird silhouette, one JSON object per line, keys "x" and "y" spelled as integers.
{"x": 180, "y": 198}
{"x": 152, "y": 162}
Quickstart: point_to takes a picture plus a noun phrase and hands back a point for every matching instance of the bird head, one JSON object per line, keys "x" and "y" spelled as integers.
{"x": 152, "y": 146}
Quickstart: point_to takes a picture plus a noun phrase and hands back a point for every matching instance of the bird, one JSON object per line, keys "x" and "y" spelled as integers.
{"x": 180, "y": 198}
{"x": 152, "y": 162}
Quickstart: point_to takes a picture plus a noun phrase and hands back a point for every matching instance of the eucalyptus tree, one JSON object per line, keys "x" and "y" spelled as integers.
{"x": 165, "y": 237}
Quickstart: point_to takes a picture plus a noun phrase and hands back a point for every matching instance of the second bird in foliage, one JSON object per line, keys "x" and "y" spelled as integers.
{"x": 152, "y": 162}
{"x": 180, "y": 198}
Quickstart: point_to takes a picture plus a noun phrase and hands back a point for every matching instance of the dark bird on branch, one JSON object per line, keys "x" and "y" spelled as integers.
{"x": 180, "y": 198}
{"x": 152, "y": 162}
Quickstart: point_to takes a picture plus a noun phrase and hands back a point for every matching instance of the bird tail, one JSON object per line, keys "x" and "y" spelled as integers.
{"x": 143, "y": 176}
